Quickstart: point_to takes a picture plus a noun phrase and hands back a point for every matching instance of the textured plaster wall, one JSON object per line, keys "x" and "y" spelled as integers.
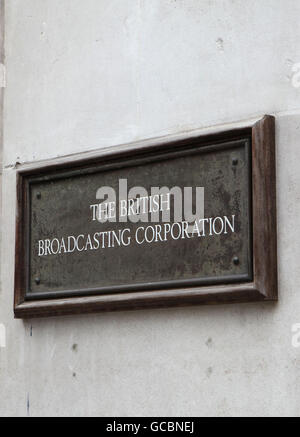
{"x": 90, "y": 74}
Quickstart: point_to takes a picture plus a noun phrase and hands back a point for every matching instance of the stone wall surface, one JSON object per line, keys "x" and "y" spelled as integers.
{"x": 83, "y": 75}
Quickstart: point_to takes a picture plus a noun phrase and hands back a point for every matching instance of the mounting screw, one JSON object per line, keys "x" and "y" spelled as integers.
{"x": 235, "y": 161}
{"x": 236, "y": 261}
{"x": 38, "y": 195}
{"x": 37, "y": 281}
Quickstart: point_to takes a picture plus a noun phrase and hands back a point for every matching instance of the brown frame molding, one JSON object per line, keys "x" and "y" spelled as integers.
{"x": 264, "y": 284}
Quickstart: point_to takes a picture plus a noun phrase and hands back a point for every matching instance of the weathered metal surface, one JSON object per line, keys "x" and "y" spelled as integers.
{"x": 60, "y": 207}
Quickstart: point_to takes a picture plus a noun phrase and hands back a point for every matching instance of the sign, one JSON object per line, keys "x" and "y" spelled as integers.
{"x": 129, "y": 230}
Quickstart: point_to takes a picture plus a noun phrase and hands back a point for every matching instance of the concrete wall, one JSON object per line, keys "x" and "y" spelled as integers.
{"x": 83, "y": 75}
{"x": 2, "y": 85}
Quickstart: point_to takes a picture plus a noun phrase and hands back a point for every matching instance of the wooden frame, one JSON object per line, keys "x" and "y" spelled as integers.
{"x": 263, "y": 287}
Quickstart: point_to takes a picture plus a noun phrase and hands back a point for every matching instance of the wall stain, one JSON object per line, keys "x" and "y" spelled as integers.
{"x": 220, "y": 44}
{"x": 209, "y": 342}
{"x": 209, "y": 372}
{"x": 28, "y": 405}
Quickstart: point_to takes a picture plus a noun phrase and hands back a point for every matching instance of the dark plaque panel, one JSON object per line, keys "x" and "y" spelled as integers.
{"x": 218, "y": 245}
{"x": 60, "y": 207}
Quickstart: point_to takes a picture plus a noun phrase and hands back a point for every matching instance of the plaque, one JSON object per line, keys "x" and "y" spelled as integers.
{"x": 187, "y": 222}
